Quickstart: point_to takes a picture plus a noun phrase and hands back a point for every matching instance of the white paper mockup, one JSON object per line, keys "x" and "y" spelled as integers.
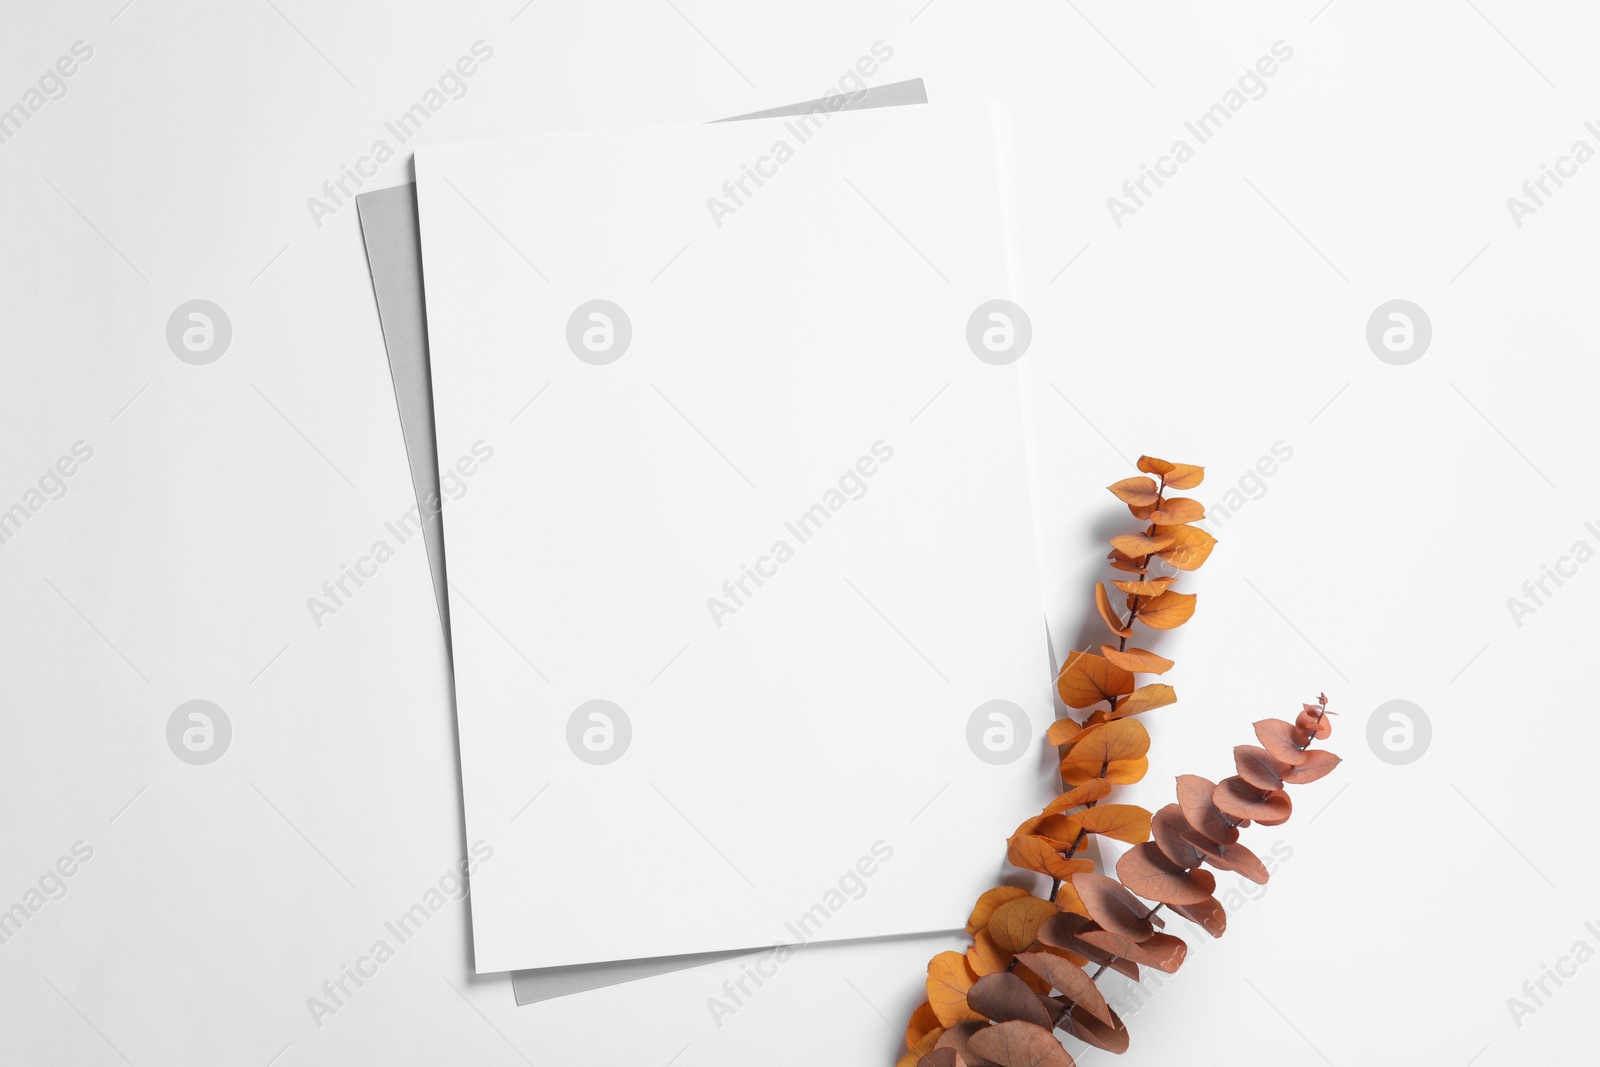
{"x": 748, "y": 636}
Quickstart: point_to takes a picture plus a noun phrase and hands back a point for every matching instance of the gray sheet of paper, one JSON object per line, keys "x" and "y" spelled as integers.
{"x": 392, "y": 237}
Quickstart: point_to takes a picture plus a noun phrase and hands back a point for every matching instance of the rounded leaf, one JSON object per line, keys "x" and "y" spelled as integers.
{"x": 1015, "y": 924}
{"x": 1146, "y": 871}
{"x": 1167, "y": 611}
{"x": 1073, "y": 981}
{"x": 1238, "y": 798}
{"x": 1112, "y": 906}
{"x": 1137, "y": 659}
{"x": 991, "y": 899}
{"x": 1145, "y": 698}
{"x": 1178, "y": 511}
{"x": 1108, "y": 614}
{"x": 1234, "y": 857}
{"x": 1120, "y": 822}
{"x": 1168, "y": 827}
{"x": 1286, "y": 741}
{"x": 1195, "y": 799}
{"x": 1004, "y": 997}
{"x": 1209, "y": 915}
{"x": 1087, "y": 679}
{"x": 1318, "y": 762}
{"x": 1191, "y": 546}
{"x": 1020, "y": 1044}
{"x": 1258, "y": 767}
{"x": 1135, "y": 492}
{"x": 1090, "y": 792}
{"x": 949, "y": 978}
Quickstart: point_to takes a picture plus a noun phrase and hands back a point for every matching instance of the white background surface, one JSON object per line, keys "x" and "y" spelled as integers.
{"x": 1226, "y": 315}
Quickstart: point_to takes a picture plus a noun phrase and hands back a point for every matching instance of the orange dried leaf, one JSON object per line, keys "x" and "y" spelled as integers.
{"x": 1152, "y": 587}
{"x": 1191, "y": 546}
{"x": 1019, "y": 1044}
{"x": 1087, "y": 679}
{"x": 1120, "y": 822}
{"x": 1102, "y": 600}
{"x": 1073, "y": 982}
{"x": 1135, "y": 492}
{"x": 1286, "y": 741}
{"x": 921, "y": 1054}
{"x": 1238, "y": 798}
{"x": 923, "y": 1021}
{"x": 1127, "y": 563}
{"x": 986, "y": 957}
{"x": 1036, "y": 854}
{"x": 1178, "y": 511}
{"x": 1152, "y": 465}
{"x": 1258, "y": 767}
{"x": 1137, "y": 659}
{"x": 1090, "y": 792}
{"x": 1185, "y": 476}
{"x": 991, "y": 899}
{"x": 1112, "y": 906}
{"x": 1161, "y": 951}
{"x": 1195, "y": 799}
{"x": 1147, "y": 871}
{"x": 949, "y": 978}
{"x": 1067, "y": 899}
{"x": 1167, "y": 611}
{"x": 1015, "y": 923}
{"x": 1135, "y": 545}
{"x": 1146, "y": 698}
{"x": 1317, "y": 763}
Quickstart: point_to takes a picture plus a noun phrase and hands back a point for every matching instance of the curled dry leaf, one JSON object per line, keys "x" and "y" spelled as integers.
{"x": 1159, "y": 467}
{"x": 1178, "y": 511}
{"x": 1286, "y": 741}
{"x": 1164, "y": 952}
{"x": 1123, "y": 562}
{"x": 1112, "y": 906}
{"x": 1015, "y": 924}
{"x": 1152, "y": 587}
{"x": 1191, "y": 546}
{"x": 1073, "y": 982}
{"x": 1120, "y": 822}
{"x": 1086, "y": 1028}
{"x": 1169, "y": 827}
{"x": 1238, "y": 798}
{"x": 1090, "y": 792}
{"x": 1234, "y": 857}
{"x": 1210, "y": 915}
{"x": 1068, "y": 901}
{"x": 1135, "y": 545}
{"x": 985, "y": 956}
{"x": 1315, "y": 722}
{"x": 949, "y": 978}
{"x": 1258, "y": 767}
{"x": 923, "y": 1020}
{"x": 1109, "y": 742}
{"x": 1185, "y": 476}
{"x": 1317, "y": 763}
{"x": 1167, "y": 611}
{"x": 1145, "y": 698}
{"x": 1137, "y": 659}
{"x": 991, "y": 899}
{"x": 1004, "y": 997}
{"x": 1147, "y": 871}
{"x": 1087, "y": 679}
{"x": 1102, "y": 601}
{"x": 1135, "y": 492}
{"x": 1195, "y": 799}
{"x": 1020, "y": 1044}
{"x": 1061, "y": 933}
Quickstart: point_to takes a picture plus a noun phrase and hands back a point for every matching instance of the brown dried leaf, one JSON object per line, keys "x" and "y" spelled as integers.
{"x": 1178, "y": 511}
{"x": 1102, "y": 600}
{"x": 1234, "y": 857}
{"x": 1195, "y": 799}
{"x": 1134, "y": 546}
{"x": 1208, "y": 914}
{"x": 953, "y": 1046}
{"x": 1238, "y": 798}
{"x": 1061, "y": 933}
{"x": 1191, "y": 546}
{"x": 1147, "y": 871}
{"x": 1258, "y": 767}
{"x": 1120, "y": 822}
{"x": 1004, "y": 997}
{"x": 1020, "y": 1044}
{"x": 944, "y": 1057}
{"x": 1318, "y": 762}
{"x": 1090, "y": 792}
{"x": 1167, "y": 611}
{"x": 1087, "y": 679}
{"x": 1073, "y": 982}
{"x": 1168, "y": 827}
{"x": 1086, "y": 1028}
{"x": 1015, "y": 924}
{"x": 1135, "y": 492}
{"x": 921, "y": 1051}
{"x": 1145, "y": 698}
{"x": 1286, "y": 741}
{"x": 1164, "y": 952}
{"x": 1112, "y": 906}
{"x": 1315, "y": 722}
{"x": 1137, "y": 659}
{"x": 949, "y": 978}
{"x": 991, "y": 899}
